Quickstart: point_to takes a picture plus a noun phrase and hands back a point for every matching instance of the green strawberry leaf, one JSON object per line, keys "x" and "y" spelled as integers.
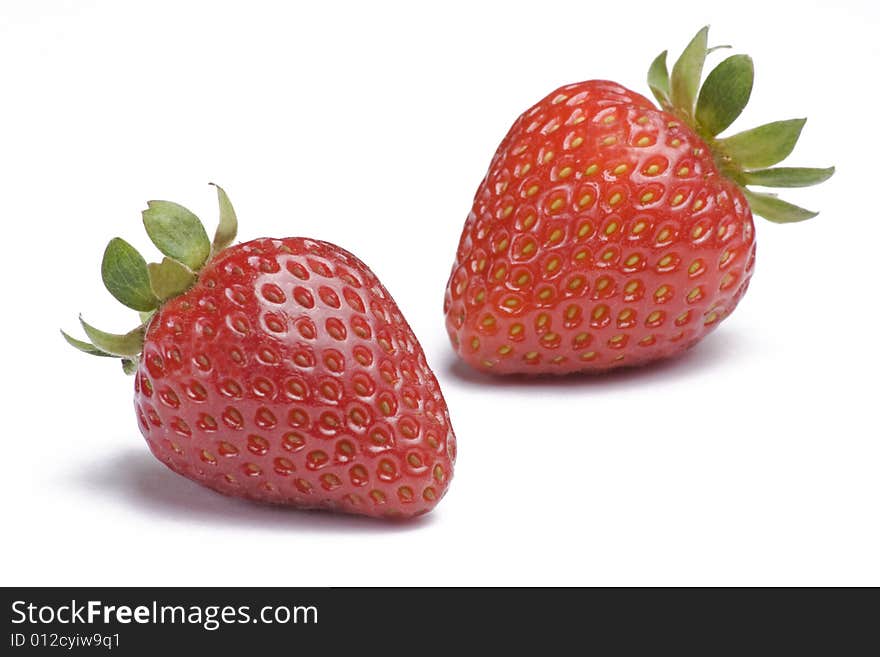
{"x": 129, "y": 344}
{"x": 177, "y": 233}
{"x": 124, "y": 272}
{"x": 658, "y": 80}
{"x": 85, "y": 347}
{"x": 724, "y": 94}
{"x": 775, "y": 209}
{"x": 228, "y": 226}
{"x": 169, "y": 278}
{"x": 687, "y": 72}
{"x": 129, "y": 366}
{"x": 763, "y": 146}
{"x": 787, "y": 176}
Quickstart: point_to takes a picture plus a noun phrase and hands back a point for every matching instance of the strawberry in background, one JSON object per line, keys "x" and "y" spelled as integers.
{"x": 278, "y": 370}
{"x": 608, "y": 232}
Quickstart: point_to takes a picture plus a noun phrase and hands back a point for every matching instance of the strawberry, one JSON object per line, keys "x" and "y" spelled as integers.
{"x": 278, "y": 370}
{"x": 608, "y": 232}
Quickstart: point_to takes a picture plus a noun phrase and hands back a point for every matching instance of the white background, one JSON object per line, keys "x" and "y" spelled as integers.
{"x": 754, "y": 459}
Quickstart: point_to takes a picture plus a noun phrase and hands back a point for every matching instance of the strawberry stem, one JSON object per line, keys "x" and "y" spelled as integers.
{"x": 745, "y": 157}
{"x": 181, "y": 238}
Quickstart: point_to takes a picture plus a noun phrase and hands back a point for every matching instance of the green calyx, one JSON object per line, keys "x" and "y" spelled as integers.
{"x": 181, "y": 238}
{"x": 746, "y": 157}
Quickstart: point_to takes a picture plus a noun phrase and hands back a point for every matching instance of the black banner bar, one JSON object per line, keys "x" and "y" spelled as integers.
{"x": 386, "y": 621}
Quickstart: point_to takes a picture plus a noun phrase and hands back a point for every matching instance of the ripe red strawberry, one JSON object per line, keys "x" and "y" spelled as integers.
{"x": 608, "y": 232}
{"x": 278, "y": 370}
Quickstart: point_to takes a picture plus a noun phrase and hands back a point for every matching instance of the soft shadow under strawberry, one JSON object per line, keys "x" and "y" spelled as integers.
{"x": 135, "y": 479}
{"x": 719, "y": 346}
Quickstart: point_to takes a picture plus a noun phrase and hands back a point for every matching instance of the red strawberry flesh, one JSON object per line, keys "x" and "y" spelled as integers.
{"x": 288, "y": 375}
{"x": 603, "y": 235}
